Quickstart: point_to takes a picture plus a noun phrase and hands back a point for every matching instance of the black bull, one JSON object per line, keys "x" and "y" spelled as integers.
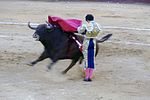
{"x": 59, "y": 45}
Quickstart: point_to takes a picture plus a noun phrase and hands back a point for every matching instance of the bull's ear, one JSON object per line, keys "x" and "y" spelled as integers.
{"x": 48, "y": 25}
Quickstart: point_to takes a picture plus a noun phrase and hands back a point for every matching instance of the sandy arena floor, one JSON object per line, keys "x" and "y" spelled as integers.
{"x": 122, "y": 65}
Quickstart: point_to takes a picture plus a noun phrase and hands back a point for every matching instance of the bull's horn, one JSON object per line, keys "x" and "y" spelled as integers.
{"x": 47, "y": 22}
{"x": 34, "y": 28}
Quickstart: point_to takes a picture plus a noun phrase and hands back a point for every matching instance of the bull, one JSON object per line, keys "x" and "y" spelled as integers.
{"x": 59, "y": 45}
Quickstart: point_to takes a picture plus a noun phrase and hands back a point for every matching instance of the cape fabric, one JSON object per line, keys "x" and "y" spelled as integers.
{"x": 68, "y": 25}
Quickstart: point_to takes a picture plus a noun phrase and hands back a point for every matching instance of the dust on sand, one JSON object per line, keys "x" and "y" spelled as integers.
{"x": 122, "y": 70}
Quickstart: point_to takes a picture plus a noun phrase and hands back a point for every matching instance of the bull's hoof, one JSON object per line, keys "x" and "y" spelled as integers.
{"x": 64, "y": 72}
{"x": 49, "y": 67}
{"x": 47, "y": 70}
{"x": 30, "y": 64}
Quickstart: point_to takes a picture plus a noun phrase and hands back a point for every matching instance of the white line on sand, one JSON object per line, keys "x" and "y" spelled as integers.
{"x": 104, "y": 27}
{"x": 126, "y": 28}
{"x": 121, "y": 42}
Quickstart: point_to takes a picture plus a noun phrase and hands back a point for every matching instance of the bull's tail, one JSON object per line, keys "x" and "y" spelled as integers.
{"x": 104, "y": 38}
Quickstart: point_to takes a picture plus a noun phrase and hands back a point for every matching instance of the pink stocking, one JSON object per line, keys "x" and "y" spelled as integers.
{"x": 87, "y": 72}
{"x": 90, "y": 73}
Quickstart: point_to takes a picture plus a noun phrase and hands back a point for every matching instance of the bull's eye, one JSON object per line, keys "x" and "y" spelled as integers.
{"x": 36, "y": 37}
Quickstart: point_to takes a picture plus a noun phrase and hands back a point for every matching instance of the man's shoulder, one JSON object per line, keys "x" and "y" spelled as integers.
{"x": 84, "y": 25}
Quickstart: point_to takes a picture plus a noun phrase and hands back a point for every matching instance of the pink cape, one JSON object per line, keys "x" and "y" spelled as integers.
{"x": 68, "y": 25}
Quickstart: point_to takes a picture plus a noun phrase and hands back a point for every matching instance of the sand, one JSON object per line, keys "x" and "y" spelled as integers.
{"x": 122, "y": 65}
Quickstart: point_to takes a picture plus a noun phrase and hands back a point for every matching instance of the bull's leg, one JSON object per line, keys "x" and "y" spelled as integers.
{"x": 81, "y": 60}
{"x": 50, "y": 65}
{"x": 70, "y": 66}
{"x": 42, "y": 57}
{"x": 76, "y": 57}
